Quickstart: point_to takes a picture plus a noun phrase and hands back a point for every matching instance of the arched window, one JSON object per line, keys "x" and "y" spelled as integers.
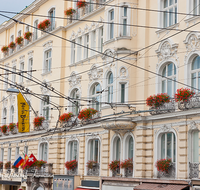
{"x": 195, "y": 72}
{"x": 169, "y": 86}
{"x": 130, "y": 147}
{"x": 43, "y": 154}
{"x": 73, "y": 149}
{"x": 110, "y": 87}
{"x": 52, "y": 18}
{"x": 96, "y": 96}
{"x": 4, "y": 116}
{"x": 94, "y": 150}
{"x": 168, "y": 146}
{"x": 75, "y": 95}
{"x": 11, "y": 114}
{"x": 195, "y": 146}
{"x": 117, "y": 149}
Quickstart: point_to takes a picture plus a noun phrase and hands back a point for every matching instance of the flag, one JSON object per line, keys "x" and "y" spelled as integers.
{"x": 31, "y": 160}
{"x": 24, "y": 162}
{"x": 18, "y": 161}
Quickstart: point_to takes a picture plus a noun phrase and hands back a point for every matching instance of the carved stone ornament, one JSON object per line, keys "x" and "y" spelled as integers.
{"x": 123, "y": 72}
{"x": 48, "y": 44}
{"x": 119, "y": 126}
{"x": 108, "y": 56}
{"x": 74, "y": 79}
{"x": 95, "y": 73}
{"x": 30, "y": 53}
{"x": 193, "y": 126}
{"x": 166, "y": 128}
{"x": 167, "y": 50}
{"x": 21, "y": 58}
{"x": 12, "y": 99}
{"x": 44, "y": 89}
{"x": 5, "y": 101}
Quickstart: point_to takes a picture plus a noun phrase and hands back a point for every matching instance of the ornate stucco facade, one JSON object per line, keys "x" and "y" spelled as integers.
{"x": 115, "y": 75}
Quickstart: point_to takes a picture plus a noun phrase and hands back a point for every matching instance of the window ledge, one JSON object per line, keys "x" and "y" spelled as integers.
{"x": 124, "y": 38}
{"x": 109, "y": 41}
{"x": 46, "y": 73}
{"x": 158, "y": 32}
{"x": 192, "y": 19}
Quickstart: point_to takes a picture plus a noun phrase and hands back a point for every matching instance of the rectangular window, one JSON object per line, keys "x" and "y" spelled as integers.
{"x": 195, "y": 146}
{"x": 26, "y": 150}
{"x": 30, "y": 68}
{"x": 45, "y": 107}
{"x": 12, "y": 40}
{"x": 73, "y": 51}
{"x": 27, "y": 30}
{"x": 87, "y": 45}
{"x": 43, "y": 152}
{"x": 21, "y": 78}
{"x": 196, "y": 7}
{"x": 35, "y": 35}
{"x": 73, "y": 150}
{"x": 93, "y": 42}
{"x": 111, "y": 25}
{"x": 124, "y": 21}
{"x": 14, "y": 75}
{"x": 47, "y": 61}
{"x": 9, "y": 154}
{"x": 16, "y": 152}
{"x": 79, "y": 49}
{"x": 19, "y": 33}
{"x": 122, "y": 93}
{"x": 101, "y": 39}
{"x": 2, "y": 154}
{"x": 52, "y": 19}
{"x": 6, "y": 79}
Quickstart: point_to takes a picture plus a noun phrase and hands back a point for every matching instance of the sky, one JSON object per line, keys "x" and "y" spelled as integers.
{"x": 12, "y": 5}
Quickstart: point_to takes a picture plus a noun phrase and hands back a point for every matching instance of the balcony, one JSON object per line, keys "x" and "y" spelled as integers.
{"x": 44, "y": 126}
{"x": 84, "y": 11}
{"x": 94, "y": 171}
{"x": 72, "y": 171}
{"x": 193, "y": 170}
{"x": 171, "y": 172}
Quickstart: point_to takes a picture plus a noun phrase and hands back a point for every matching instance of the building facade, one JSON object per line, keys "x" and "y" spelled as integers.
{"x": 111, "y": 56}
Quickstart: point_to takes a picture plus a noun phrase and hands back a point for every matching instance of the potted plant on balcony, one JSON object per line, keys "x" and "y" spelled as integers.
{"x": 28, "y": 35}
{"x": 81, "y": 3}
{"x": 70, "y": 12}
{"x": 11, "y": 127}
{"x": 163, "y": 165}
{"x": 65, "y": 117}
{"x": 1, "y": 165}
{"x": 128, "y": 166}
{"x": 37, "y": 122}
{"x": 8, "y": 165}
{"x": 158, "y": 100}
{"x": 12, "y": 45}
{"x": 43, "y": 25}
{"x": 19, "y": 40}
{"x": 87, "y": 113}
{"x": 4, "y": 49}
{"x": 71, "y": 166}
{"x": 4, "y": 129}
{"x": 114, "y": 166}
{"x": 15, "y": 168}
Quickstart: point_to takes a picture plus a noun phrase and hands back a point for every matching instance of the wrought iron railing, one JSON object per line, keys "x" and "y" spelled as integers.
{"x": 171, "y": 172}
{"x": 44, "y": 126}
{"x": 193, "y": 170}
{"x": 128, "y": 172}
{"x": 116, "y": 172}
{"x": 72, "y": 171}
{"x": 94, "y": 171}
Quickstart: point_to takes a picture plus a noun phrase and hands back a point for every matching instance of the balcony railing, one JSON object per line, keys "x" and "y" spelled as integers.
{"x": 116, "y": 172}
{"x": 85, "y": 11}
{"x": 193, "y": 170}
{"x": 173, "y": 106}
{"x": 94, "y": 171}
{"x": 72, "y": 171}
{"x": 44, "y": 126}
{"x": 128, "y": 172}
{"x": 170, "y": 174}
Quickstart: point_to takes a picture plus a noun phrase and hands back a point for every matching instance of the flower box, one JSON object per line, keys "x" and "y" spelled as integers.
{"x": 81, "y": 3}
{"x": 4, "y": 49}
{"x": 71, "y": 165}
{"x": 7, "y": 165}
{"x": 93, "y": 168}
{"x": 4, "y": 129}
{"x": 12, "y": 45}
{"x": 184, "y": 94}
{"x": 19, "y": 40}
{"x": 163, "y": 165}
{"x": 127, "y": 165}
{"x": 87, "y": 113}
{"x": 70, "y": 12}
{"x": 38, "y": 121}
{"x": 114, "y": 166}
{"x": 12, "y": 127}
{"x": 158, "y": 100}
{"x": 43, "y": 25}
{"x": 28, "y": 35}
{"x": 65, "y": 117}
{"x": 1, "y": 165}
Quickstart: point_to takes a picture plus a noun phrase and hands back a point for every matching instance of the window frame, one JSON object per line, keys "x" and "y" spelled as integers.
{"x": 87, "y": 44}
{"x": 4, "y": 116}
{"x": 9, "y": 156}
{"x": 12, "y": 114}
{"x": 52, "y": 18}
{"x": 41, "y": 153}
{"x": 79, "y": 48}
{"x": 95, "y": 95}
{"x": 114, "y": 152}
{"x": 17, "y": 149}
{"x": 92, "y": 157}
{"x": 2, "y": 154}
{"x": 35, "y": 34}
{"x": 72, "y": 150}
{"x": 110, "y": 87}
{"x": 93, "y": 41}
{"x": 44, "y": 106}
{"x": 49, "y": 60}
{"x": 73, "y": 51}
{"x": 30, "y": 68}
{"x": 101, "y": 31}
{"x": 75, "y": 92}
{"x": 21, "y": 77}
{"x": 111, "y": 24}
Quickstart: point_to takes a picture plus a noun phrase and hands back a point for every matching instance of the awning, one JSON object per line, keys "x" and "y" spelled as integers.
{"x": 150, "y": 186}
{"x": 10, "y": 182}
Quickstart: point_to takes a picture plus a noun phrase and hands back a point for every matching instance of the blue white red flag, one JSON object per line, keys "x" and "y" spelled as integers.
{"x": 18, "y": 161}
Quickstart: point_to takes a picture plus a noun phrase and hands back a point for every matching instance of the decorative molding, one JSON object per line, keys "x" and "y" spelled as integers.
{"x": 109, "y": 56}
{"x": 48, "y": 44}
{"x": 30, "y": 53}
{"x": 166, "y": 128}
{"x": 45, "y": 90}
{"x": 22, "y": 58}
{"x": 95, "y": 73}
{"x": 193, "y": 126}
{"x": 74, "y": 79}
{"x": 123, "y": 73}
{"x": 5, "y": 101}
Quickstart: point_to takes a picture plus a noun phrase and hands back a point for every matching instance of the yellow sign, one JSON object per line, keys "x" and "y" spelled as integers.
{"x": 23, "y": 114}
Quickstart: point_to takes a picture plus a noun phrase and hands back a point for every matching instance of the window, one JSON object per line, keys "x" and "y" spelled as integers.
{"x": 2, "y": 154}
{"x": 43, "y": 151}
{"x": 14, "y": 75}
{"x": 168, "y": 146}
{"x": 169, "y": 86}
{"x": 45, "y": 107}
{"x": 170, "y": 12}
{"x": 12, "y": 40}
{"x": 90, "y": 6}
{"x": 111, "y": 25}
{"x": 21, "y": 78}
{"x": 124, "y": 21}
{"x": 19, "y": 33}
{"x": 11, "y": 114}
{"x": 195, "y": 73}
{"x": 196, "y": 7}
{"x": 73, "y": 52}
{"x": 79, "y": 49}
{"x": 110, "y": 87}
{"x": 4, "y": 116}
{"x": 47, "y": 61}
{"x": 101, "y": 39}
{"x": 26, "y": 150}
{"x": 93, "y": 42}
{"x": 75, "y": 96}
{"x": 52, "y": 18}
{"x": 195, "y": 146}
{"x": 16, "y": 152}
{"x": 130, "y": 148}
{"x": 94, "y": 150}
{"x": 122, "y": 92}
{"x": 35, "y": 35}
{"x": 73, "y": 146}
{"x": 117, "y": 149}
{"x": 6, "y": 79}
{"x": 27, "y": 30}
{"x": 30, "y": 68}
{"x": 96, "y": 96}
{"x": 87, "y": 45}
{"x": 9, "y": 154}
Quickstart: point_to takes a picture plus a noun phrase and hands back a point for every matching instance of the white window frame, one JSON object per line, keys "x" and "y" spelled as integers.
{"x": 72, "y": 150}
{"x": 47, "y": 61}
{"x": 101, "y": 31}
{"x": 73, "y": 51}
{"x": 35, "y": 34}
{"x": 9, "y": 158}
{"x": 2, "y": 154}
{"x": 87, "y": 44}
{"x": 94, "y": 96}
{"x": 76, "y": 95}
{"x": 6, "y": 78}
{"x": 17, "y": 149}
{"x": 79, "y": 48}
{"x": 44, "y": 107}
{"x": 12, "y": 114}
{"x": 92, "y": 157}
{"x": 14, "y": 69}
{"x": 110, "y": 88}
{"x": 52, "y": 19}
{"x": 93, "y": 41}
{"x": 41, "y": 148}
{"x": 30, "y": 67}
{"x": 111, "y": 24}
{"x": 12, "y": 39}
{"x": 4, "y": 116}
{"x": 21, "y": 77}
{"x": 27, "y": 30}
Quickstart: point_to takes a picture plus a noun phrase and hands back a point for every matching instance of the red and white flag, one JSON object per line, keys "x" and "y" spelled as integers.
{"x": 31, "y": 160}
